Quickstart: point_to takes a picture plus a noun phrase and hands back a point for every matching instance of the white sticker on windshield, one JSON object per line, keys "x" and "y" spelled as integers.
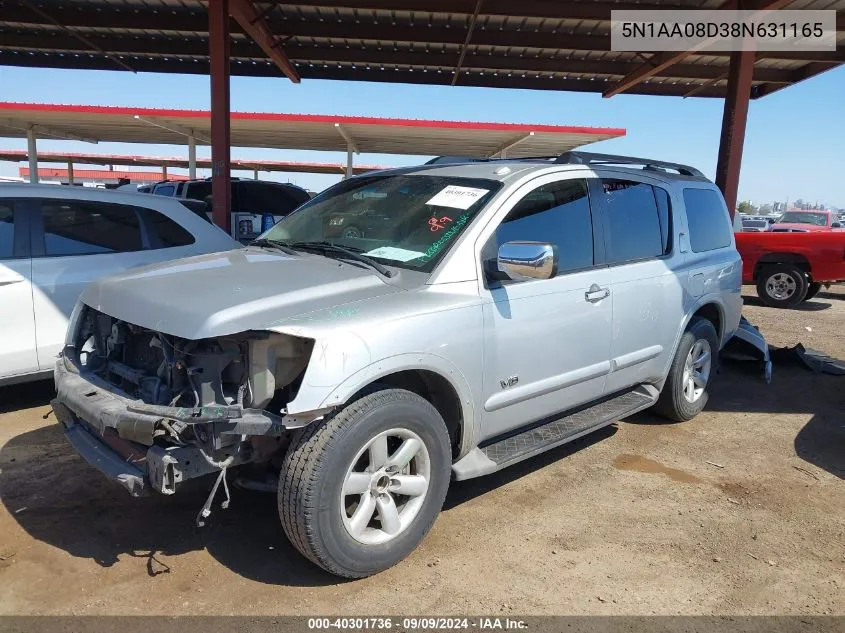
{"x": 457, "y": 197}
{"x": 394, "y": 253}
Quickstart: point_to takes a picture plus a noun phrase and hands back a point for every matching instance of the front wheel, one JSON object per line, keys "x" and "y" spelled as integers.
{"x": 782, "y": 286}
{"x": 359, "y": 491}
{"x": 686, "y": 389}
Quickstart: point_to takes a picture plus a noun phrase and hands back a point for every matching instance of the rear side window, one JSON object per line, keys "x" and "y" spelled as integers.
{"x": 168, "y": 232}
{"x": 7, "y": 231}
{"x": 198, "y": 190}
{"x": 89, "y": 228}
{"x": 709, "y": 227}
{"x": 263, "y": 197}
{"x": 664, "y": 214}
{"x": 165, "y": 190}
{"x": 558, "y": 213}
{"x": 633, "y": 228}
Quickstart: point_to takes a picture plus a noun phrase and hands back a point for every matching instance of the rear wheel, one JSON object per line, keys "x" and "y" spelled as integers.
{"x": 812, "y": 290}
{"x": 359, "y": 491}
{"x": 782, "y": 286}
{"x": 686, "y": 389}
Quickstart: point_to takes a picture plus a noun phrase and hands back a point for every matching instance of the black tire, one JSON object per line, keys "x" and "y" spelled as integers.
{"x": 672, "y": 404}
{"x": 812, "y": 290}
{"x": 798, "y": 278}
{"x": 315, "y": 466}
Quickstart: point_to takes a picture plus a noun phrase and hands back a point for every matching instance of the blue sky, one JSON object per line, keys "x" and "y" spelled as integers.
{"x": 794, "y": 145}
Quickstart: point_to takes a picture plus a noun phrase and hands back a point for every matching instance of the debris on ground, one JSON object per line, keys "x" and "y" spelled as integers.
{"x": 715, "y": 464}
{"x": 814, "y": 360}
{"x": 748, "y": 344}
{"x": 806, "y": 472}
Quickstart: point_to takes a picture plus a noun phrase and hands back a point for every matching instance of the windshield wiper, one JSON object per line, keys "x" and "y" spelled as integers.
{"x": 274, "y": 245}
{"x": 328, "y": 247}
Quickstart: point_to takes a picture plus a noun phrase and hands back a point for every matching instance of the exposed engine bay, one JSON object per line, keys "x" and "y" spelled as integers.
{"x": 251, "y": 370}
{"x": 176, "y": 409}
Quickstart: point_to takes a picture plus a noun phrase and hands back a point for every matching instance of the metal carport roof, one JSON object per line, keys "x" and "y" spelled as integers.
{"x": 298, "y": 131}
{"x": 15, "y": 155}
{"x": 543, "y": 44}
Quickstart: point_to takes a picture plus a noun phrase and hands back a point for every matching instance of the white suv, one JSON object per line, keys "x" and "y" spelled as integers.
{"x": 55, "y": 240}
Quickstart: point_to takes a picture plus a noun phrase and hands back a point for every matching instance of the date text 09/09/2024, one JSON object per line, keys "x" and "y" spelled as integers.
{"x": 416, "y": 623}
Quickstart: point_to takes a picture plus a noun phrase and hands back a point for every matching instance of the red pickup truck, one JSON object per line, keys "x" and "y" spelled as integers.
{"x": 789, "y": 268}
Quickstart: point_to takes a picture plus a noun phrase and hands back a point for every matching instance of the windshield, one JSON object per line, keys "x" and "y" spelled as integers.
{"x": 804, "y": 217}
{"x": 402, "y": 220}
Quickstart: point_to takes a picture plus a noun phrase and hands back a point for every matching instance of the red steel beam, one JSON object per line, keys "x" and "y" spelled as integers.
{"x": 218, "y": 48}
{"x": 254, "y": 24}
{"x": 733, "y": 125}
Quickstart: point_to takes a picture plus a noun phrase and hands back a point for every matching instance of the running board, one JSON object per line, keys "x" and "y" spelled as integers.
{"x": 537, "y": 439}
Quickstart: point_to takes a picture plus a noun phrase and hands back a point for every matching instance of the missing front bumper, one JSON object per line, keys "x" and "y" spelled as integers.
{"x": 159, "y": 469}
{"x": 115, "y": 433}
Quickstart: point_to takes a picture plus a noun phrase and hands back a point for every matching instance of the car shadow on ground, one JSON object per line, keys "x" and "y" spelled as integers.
{"x": 59, "y": 499}
{"x": 794, "y": 389}
{"x": 832, "y": 296}
{"x": 813, "y": 305}
{"x": 26, "y": 395}
{"x": 463, "y": 491}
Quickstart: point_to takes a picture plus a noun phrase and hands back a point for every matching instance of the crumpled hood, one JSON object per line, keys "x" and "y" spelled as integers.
{"x": 231, "y": 292}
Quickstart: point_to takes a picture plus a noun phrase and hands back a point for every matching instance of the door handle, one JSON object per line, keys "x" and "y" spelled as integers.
{"x": 596, "y": 294}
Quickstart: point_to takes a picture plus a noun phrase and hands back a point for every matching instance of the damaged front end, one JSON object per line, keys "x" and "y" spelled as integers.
{"x": 152, "y": 410}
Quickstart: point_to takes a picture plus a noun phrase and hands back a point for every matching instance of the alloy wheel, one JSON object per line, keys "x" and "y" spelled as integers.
{"x": 385, "y": 486}
{"x": 697, "y": 370}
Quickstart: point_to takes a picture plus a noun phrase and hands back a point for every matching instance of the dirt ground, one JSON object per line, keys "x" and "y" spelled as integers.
{"x": 740, "y": 511}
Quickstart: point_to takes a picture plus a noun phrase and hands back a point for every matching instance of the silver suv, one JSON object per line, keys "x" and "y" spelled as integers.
{"x": 490, "y": 310}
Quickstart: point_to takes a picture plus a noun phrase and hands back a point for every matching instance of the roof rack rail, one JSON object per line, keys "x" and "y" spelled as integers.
{"x": 446, "y": 160}
{"x": 589, "y": 158}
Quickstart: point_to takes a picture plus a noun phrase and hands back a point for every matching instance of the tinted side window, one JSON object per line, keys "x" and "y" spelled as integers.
{"x": 261, "y": 197}
{"x": 633, "y": 225}
{"x": 169, "y": 233}
{"x": 664, "y": 213}
{"x": 198, "y": 190}
{"x": 86, "y": 228}
{"x": 558, "y": 213}
{"x": 7, "y": 231}
{"x": 165, "y": 190}
{"x": 708, "y": 223}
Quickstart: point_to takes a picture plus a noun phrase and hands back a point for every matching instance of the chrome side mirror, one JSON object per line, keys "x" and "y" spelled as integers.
{"x": 521, "y": 261}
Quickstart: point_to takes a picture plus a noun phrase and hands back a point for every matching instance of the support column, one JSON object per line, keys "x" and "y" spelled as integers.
{"x": 734, "y": 118}
{"x": 255, "y": 174}
{"x": 70, "y": 172}
{"x": 219, "y": 47}
{"x": 349, "y": 150}
{"x": 192, "y": 157}
{"x": 32, "y": 150}
{"x": 164, "y": 172}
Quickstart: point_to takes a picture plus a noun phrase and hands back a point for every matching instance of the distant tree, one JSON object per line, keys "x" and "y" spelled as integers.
{"x": 746, "y": 207}
{"x": 766, "y": 209}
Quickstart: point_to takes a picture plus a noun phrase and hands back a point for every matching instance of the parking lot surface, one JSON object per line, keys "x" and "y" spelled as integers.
{"x": 739, "y": 511}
